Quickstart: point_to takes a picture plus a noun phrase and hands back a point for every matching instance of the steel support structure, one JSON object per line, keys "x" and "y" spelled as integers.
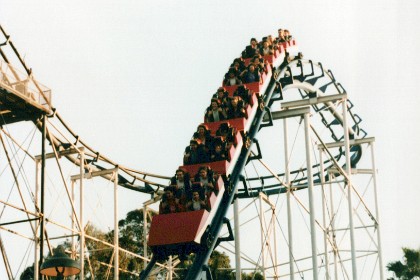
{"x": 268, "y": 235}
{"x": 238, "y": 270}
{"x": 332, "y": 223}
{"x": 324, "y": 218}
{"x": 81, "y": 219}
{"x": 311, "y": 197}
{"x": 349, "y": 189}
{"x": 38, "y": 223}
{"x": 114, "y": 173}
{"x": 301, "y": 108}
{"x": 378, "y": 230}
{"x": 369, "y": 143}
{"x": 40, "y": 161}
{"x": 42, "y": 216}
{"x": 116, "y": 229}
{"x": 73, "y": 226}
{"x": 145, "y": 233}
{"x": 289, "y": 190}
{"x": 262, "y": 235}
{"x": 302, "y": 112}
{"x": 77, "y": 220}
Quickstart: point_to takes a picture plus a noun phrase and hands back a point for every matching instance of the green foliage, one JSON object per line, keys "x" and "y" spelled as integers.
{"x": 130, "y": 239}
{"x": 99, "y": 253}
{"x": 99, "y": 258}
{"x": 409, "y": 268}
{"x": 28, "y": 273}
{"x": 219, "y": 265}
{"x": 252, "y": 276}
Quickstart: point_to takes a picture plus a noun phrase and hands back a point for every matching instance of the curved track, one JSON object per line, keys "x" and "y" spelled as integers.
{"x": 311, "y": 80}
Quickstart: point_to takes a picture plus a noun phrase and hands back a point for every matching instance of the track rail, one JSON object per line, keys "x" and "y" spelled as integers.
{"x": 318, "y": 82}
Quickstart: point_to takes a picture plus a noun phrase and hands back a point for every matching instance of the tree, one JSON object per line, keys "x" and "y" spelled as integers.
{"x": 220, "y": 268}
{"x": 409, "y": 269}
{"x": 219, "y": 265}
{"x": 99, "y": 256}
{"x": 28, "y": 273}
{"x": 98, "y": 253}
{"x": 130, "y": 238}
{"x": 252, "y": 276}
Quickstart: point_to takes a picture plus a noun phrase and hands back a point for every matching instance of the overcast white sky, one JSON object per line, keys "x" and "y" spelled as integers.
{"x": 126, "y": 74}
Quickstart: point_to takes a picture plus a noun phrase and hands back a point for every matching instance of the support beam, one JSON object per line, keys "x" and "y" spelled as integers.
{"x": 38, "y": 223}
{"x": 116, "y": 230}
{"x": 366, "y": 140}
{"x": 82, "y": 227}
{"x": 324, "y": 217}
{"x": 236, "y": 216}
{"x": 313, "y": 101}
{"x": 263, "y": 242}
{"x": 378, "y": 229}
{"x": 289, "y": 190}
{"x": 349, "y": 189}
{"x": 62, "y": 153}
{"x": 73, "y": 223}
{"x": 95, "y": 174}
{"x": 42, "y": 222}
{"x": 311, "y": 198}
{"x": 145, "y": 233}
{"x": 289, "y": 113}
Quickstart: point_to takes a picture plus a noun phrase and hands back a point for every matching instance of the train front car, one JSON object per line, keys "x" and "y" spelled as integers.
{"x": 180, "y": 233}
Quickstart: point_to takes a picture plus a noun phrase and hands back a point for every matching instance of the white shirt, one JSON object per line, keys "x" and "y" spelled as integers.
{"x": 216, "y": 115}
{"x": 196, "y": 205}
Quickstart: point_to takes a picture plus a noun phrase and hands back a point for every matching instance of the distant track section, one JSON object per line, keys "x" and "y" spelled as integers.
{"x": 23, "y": 98}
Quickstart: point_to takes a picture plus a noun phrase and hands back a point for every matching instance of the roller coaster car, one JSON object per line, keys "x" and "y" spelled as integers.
{"x": 272, "y": 57}
{"x": 220, "y": 167}
{"x": 238, "y": 124}
{"x": 254, "y": 87}
{"x": 181, "y": 233}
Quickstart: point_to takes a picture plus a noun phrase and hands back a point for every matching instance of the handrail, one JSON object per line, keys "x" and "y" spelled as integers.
{"x": 24, "y": 86}
{"x": 28, "y": 71}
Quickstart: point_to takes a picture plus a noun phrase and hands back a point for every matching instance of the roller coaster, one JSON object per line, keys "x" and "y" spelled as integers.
{"x": 304, "y": 91}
